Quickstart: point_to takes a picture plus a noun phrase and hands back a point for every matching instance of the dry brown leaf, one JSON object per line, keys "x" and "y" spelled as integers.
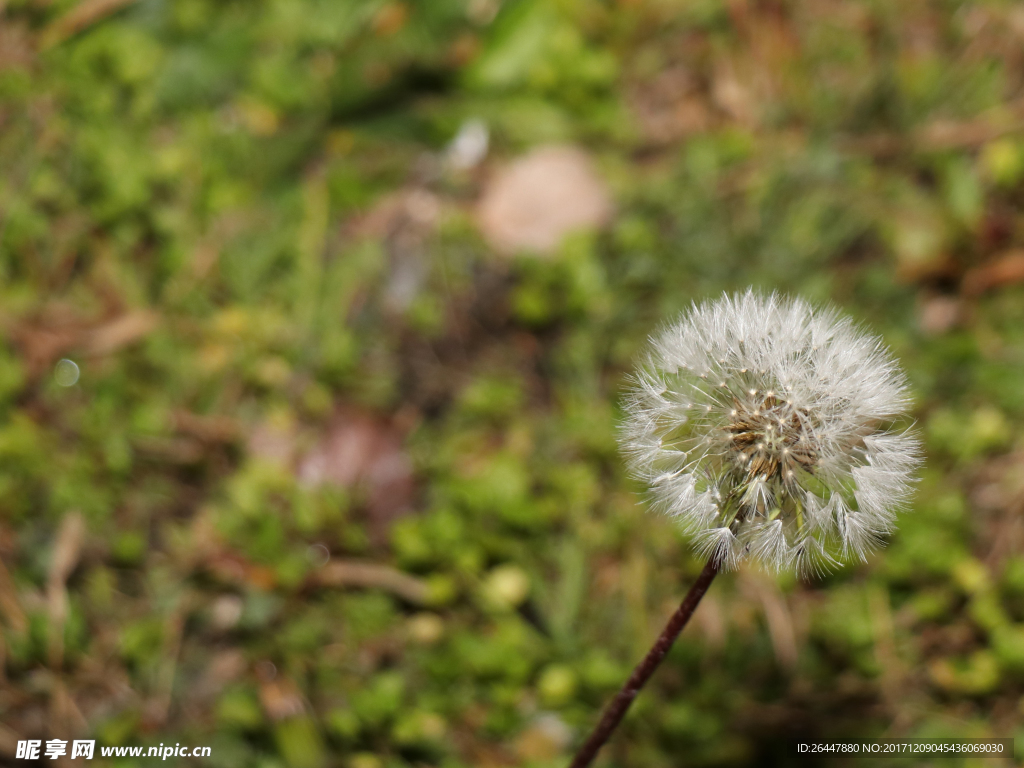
{"x": 359, "y": 450}
{"x": 533, "y": 203}
{"x": 939, "y": 314}
{"x": 42, "y": 346}
{"x": 120, "y": 332}
{"x": 279, "y": 695}
{"x": 670, "y": 106}
{"x": 58, "y": 329}
{"x": 208, "y": 428}
{"x": 1005, "y": 269}
{"x": 733, "y": 96}
{"x": 409, "y": 209}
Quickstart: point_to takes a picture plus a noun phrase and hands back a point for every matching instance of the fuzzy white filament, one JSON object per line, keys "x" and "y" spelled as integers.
{"x": 766, "y": 428}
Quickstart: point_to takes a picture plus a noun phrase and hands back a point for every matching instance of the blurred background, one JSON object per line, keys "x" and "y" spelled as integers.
{"x": 315, "y": 317}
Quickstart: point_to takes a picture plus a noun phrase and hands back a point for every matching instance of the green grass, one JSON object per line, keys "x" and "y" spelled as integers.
{"x": 191, "y": 198}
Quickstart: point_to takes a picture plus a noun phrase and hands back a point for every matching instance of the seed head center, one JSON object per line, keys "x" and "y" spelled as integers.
{"x": 768, "y": 439}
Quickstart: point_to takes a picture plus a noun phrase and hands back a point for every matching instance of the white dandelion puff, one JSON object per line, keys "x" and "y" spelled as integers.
{"x": 767, "y": 430}
{"x": 720, "y": 545}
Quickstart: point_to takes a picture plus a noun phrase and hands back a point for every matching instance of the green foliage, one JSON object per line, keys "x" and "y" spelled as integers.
{"x": 239, "y": 708}
{"x": 241, "y": 221}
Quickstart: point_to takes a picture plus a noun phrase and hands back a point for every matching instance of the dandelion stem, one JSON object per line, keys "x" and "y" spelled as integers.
{"x": 641, "y": 674}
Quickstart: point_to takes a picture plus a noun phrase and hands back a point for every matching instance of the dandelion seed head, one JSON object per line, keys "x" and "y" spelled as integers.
{"x": 794, "y": 459}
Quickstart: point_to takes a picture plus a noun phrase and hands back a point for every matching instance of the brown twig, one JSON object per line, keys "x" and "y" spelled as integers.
{"x": 67, "y": 550}
{"x": 617, "y": 709}
{"x": 79, "y": 18}
{"x": 353, "y": 573}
